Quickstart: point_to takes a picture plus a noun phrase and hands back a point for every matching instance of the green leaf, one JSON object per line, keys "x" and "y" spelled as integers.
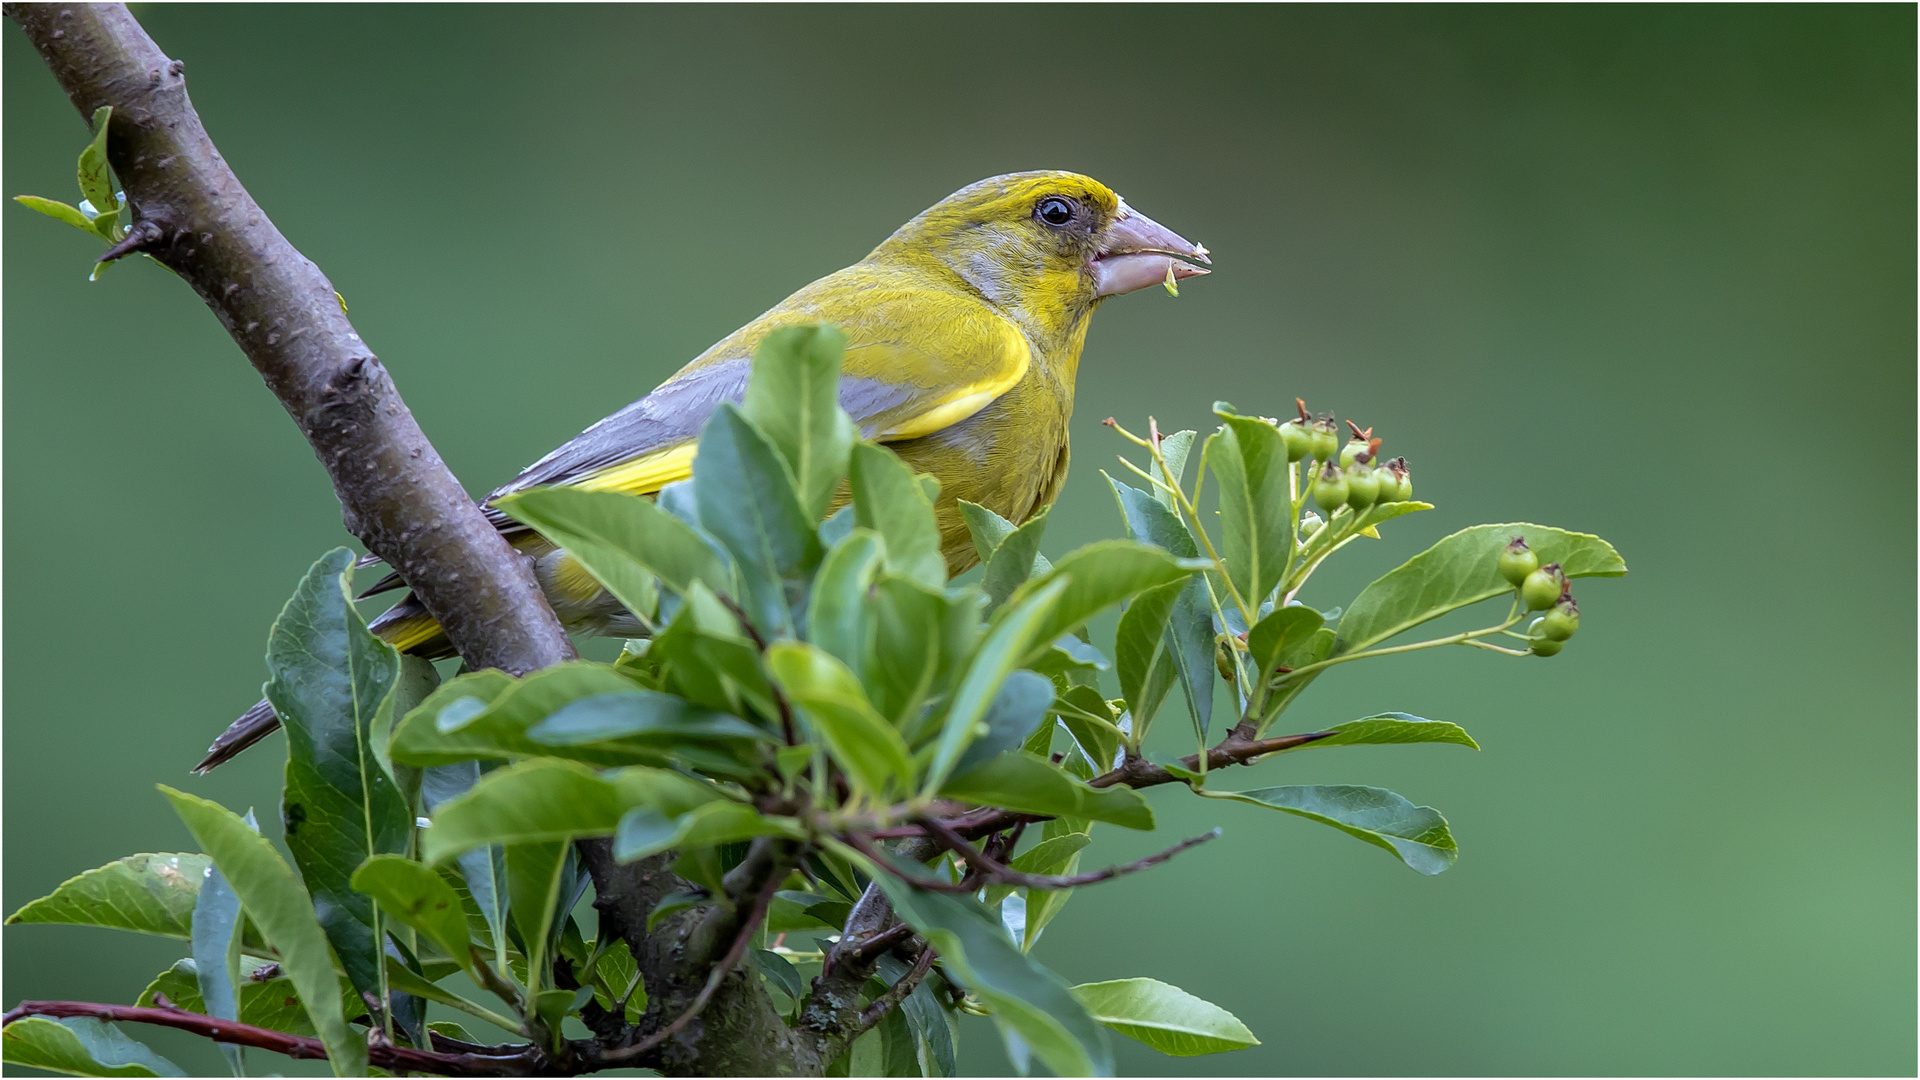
{"x": 488, "y": 714}
{"x": 794, "y": 910}
{"x": 887, "y": 500}
{"x": 328, "y": 677}
{"x": 1277, "y": 638}
{"x": 1250, "y": 462}
{"x": 535, "y": 872}
{"x": 484, "y": 869}
{"x": 417, "y": 897}
{"x": 58, "y": 211}
{"x": 1015, "y": 559}
{"x": 926, "y": 1020}
{"x": 217, "y": 924}
{"x": 1174, "y": 449}
{"x": 95, "y": 182}
{"x": 643, "y": 715}
{"x": 672, "y": 904}
{"x": 80, "y": 1046}
{"x": 548, "y": 799}
{"x": 922, "y": 636}
{"x": 861, "y": 741}
{"x": 1394, "y": 727}
{"x": 623, "y": 540}
{"x": 1025, "y": 997}
{"x": 148, "y": 894}
{"x": 747, "y": 500}
{"x": 1164, "y": 1017}
{"x": 1017, "y": 710}
{"x": 1417, "y": 835}
{"x": 645, "y": 831}
{"x": 277, "y": 904}
{"x": 985, "y": 528}
{"x": 1032, "y": 786}
{"x": 1013, "y": 635}
{"x": 1460, "y": 570}
{"x": 793, "y": 395}
{"x": 1089, "y": 719}
{"x": 779, "y": 971}
{"x": 840, "y": 619}
{"x": 1052, "y": 855}
{"x": 269, "y": 1003}
{"x": 1151, "y": 520}
{"x": 1141, "y": 656}
{"x": 613, "y": 975}
{"x": 1098, "y": 576}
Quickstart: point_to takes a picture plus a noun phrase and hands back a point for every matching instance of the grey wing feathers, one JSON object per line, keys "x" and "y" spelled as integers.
{"x": 673, "y": 413}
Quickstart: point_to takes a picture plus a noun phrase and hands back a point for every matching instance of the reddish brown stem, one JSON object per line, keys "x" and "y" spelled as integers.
{"x": 523, "y": 1061}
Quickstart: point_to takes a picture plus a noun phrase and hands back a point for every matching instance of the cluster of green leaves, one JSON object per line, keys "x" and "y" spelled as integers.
{"x": 813, "y": 676}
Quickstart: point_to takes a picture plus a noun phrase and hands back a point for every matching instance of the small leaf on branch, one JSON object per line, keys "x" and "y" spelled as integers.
{"x": 148, "y": 894}
{"x": 793, "y": 395}
{"x": 1416, "y": 835}
{"x": 1464, "y": 569}
{"x": 1028, "y": 785}
{"x": 275, "y": 902}
{"x": 80, "y": 1046}
{"x": 1164, "y": 1017}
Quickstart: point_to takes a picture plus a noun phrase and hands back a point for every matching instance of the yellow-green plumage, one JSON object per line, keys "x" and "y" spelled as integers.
{"x": 964, "y": 330}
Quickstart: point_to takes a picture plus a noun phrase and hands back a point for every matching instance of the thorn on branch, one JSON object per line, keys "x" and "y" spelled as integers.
{"x": 143, "y": 236}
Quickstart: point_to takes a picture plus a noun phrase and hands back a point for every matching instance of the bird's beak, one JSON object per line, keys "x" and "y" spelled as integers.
{"x": 1139, "y": 251}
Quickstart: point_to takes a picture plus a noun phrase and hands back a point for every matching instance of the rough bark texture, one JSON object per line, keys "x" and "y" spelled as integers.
{"x": 191, "y": 213}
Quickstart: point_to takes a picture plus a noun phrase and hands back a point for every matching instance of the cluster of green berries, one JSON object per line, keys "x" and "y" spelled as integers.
{"x": 1345, "y": 475}
{"x": 1542, "y": 588}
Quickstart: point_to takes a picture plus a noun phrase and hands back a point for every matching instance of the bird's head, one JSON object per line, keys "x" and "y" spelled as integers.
{"x": 1044, "y": 246}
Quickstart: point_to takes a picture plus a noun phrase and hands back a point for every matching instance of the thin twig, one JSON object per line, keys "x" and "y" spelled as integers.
{"x": 895, "y": 994}
{"x": 522, "y": 1061}
{"x": 1002, "y": 874}
{"x": 1135, "y": 773}
{"x": 880, "y": 942}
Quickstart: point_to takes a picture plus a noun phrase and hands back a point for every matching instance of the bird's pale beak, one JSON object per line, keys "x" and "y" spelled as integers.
{"x": 1139, "y": 251}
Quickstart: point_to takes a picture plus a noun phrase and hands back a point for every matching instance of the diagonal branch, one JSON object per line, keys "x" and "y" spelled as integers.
{"x": 193, "y": 215}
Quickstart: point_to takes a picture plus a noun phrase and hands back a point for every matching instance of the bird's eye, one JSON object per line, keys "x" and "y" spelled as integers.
{"x": 1054, "y": 210}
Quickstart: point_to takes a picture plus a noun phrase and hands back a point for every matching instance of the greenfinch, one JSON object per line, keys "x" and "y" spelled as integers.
{"x": 964, "y": 330}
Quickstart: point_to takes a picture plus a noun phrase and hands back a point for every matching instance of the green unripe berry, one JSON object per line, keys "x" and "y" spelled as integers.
{"x": 1363, "y": 488}
{"x": 1561, "y": 620}
{"x": 1546, "y": 646}
{"x": 1325, "y": 441}
{"x": 1330, "y": 489}
{"x": 1298, "y": 439}
{"x": 1516, "y": 562}
{"x": 1354, "y": 448}
{"x": 1389, "y": 482}
{"x": 1541, "y": 588}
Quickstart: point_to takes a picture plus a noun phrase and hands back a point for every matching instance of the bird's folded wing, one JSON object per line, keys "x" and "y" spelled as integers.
{"x": 918, "y": 360}
{"x": 915, "y": 364}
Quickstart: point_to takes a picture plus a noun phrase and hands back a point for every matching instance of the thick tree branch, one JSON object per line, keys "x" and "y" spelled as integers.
{"x": 193, "y": 215}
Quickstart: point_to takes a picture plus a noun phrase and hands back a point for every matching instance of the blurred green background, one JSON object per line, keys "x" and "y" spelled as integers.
{"x": 1645, "y": 272}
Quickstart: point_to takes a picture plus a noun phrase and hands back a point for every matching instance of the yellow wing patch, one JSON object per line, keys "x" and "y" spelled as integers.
{"x": 1008, "y": 365}
{"x": 643, "y": 475}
